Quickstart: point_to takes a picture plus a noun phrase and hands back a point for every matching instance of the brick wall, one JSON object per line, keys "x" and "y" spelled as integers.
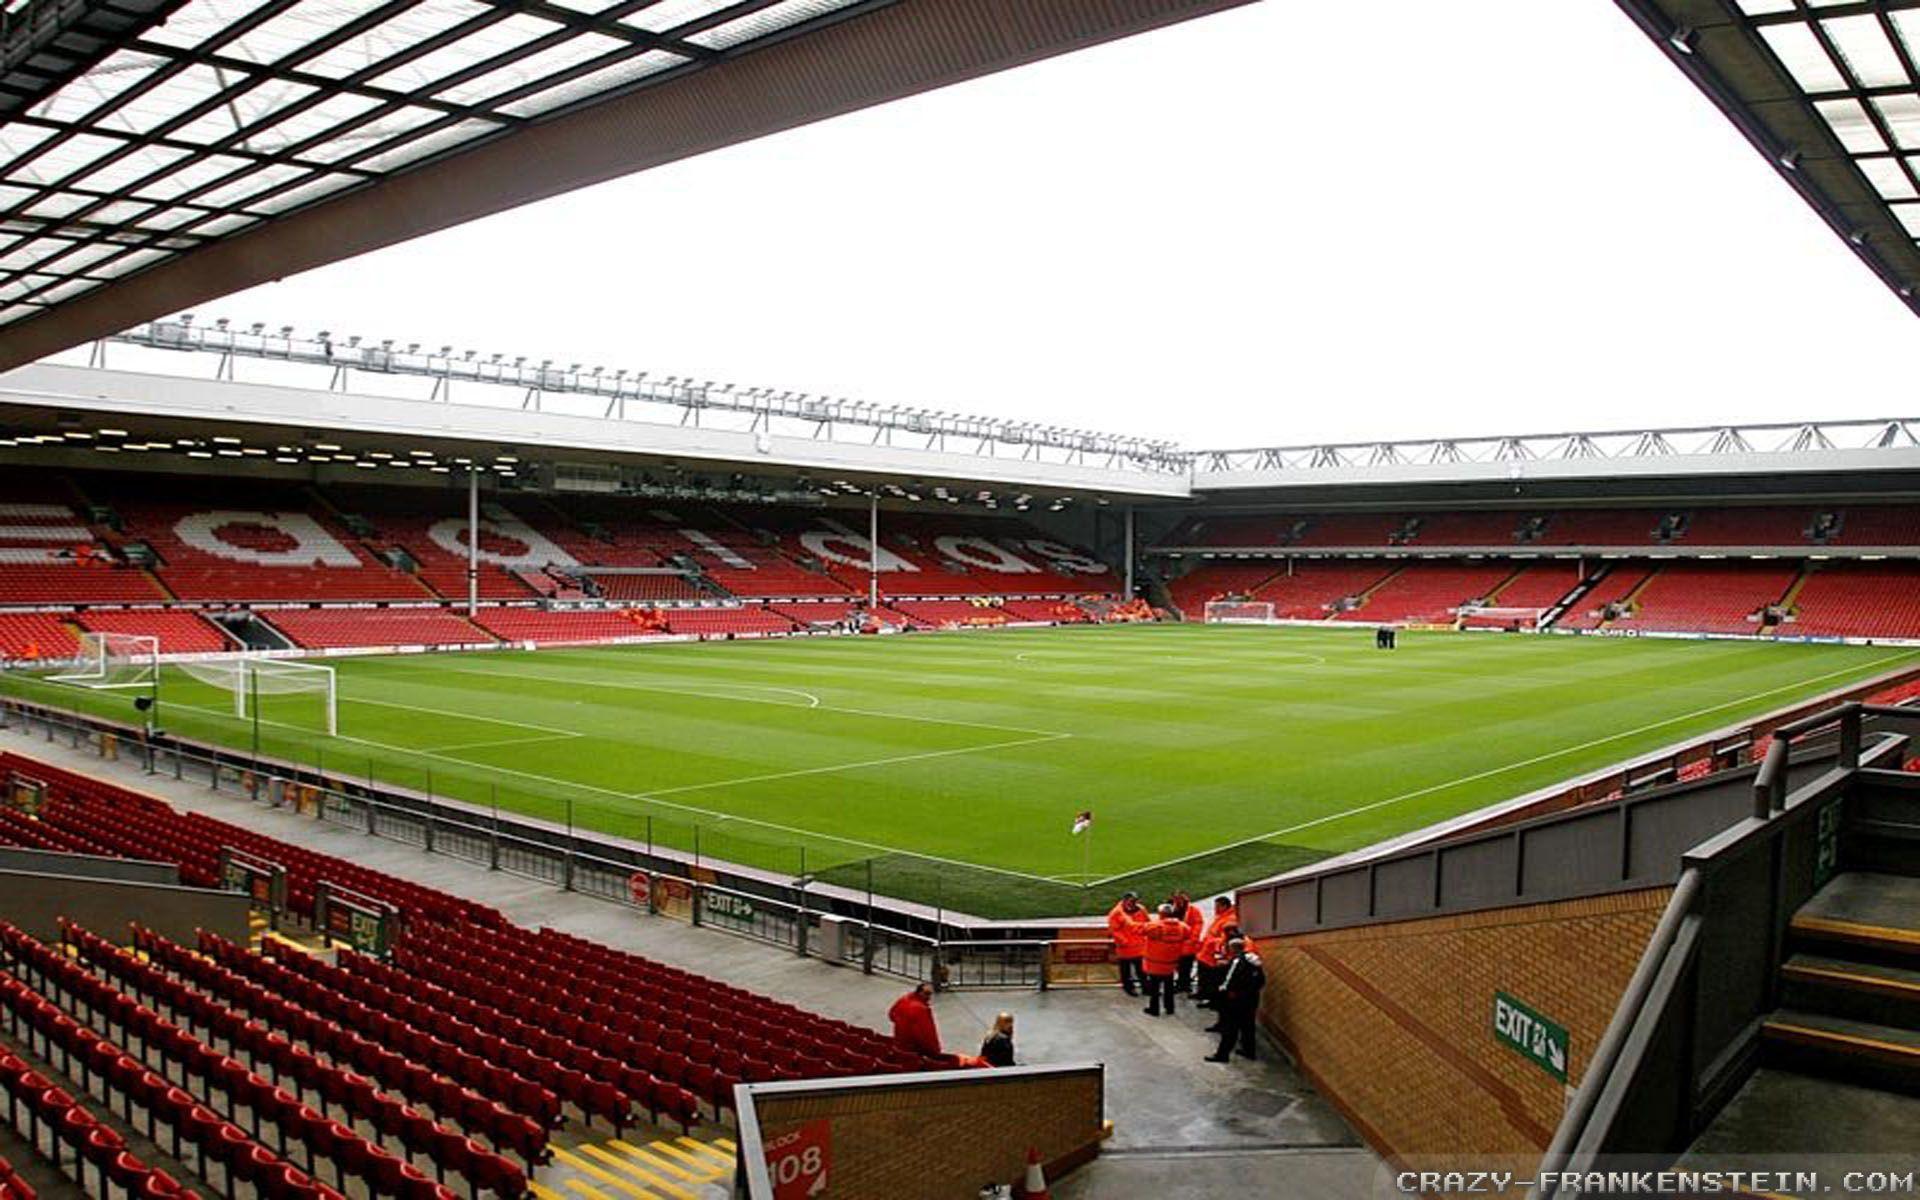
{"x": 1394, "y": 1022}
{"x": 944, "y": 1138}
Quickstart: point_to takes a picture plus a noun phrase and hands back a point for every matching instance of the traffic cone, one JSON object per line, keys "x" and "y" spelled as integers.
{"x": 1034, "y": 1187}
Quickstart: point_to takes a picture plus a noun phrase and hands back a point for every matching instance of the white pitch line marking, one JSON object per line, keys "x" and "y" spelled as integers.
{"x": 1500, "y": 770}
{"x": 525, "y": 741}
{"x": 601, "y": 681}
{"x": 711, "y": 814}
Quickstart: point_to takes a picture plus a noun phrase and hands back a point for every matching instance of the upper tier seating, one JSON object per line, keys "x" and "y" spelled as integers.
{"x": 332, "y": 628}
{"x": 33, "y": 635}
{"x": 1349, "y": 529}
{"x": 1858, "y": 600}
{"x": 1709, "y": 597}
{"x": 1499, "y": 528}
{"x": 431, "y": 526}
{"x": 940, "y": 555}
{"x": 227, "y": 541}
{"x": 48, "y": 554}
{"x": 1879, "y": 525}
{"x": 1747, "y": 526}
{"x": 1429, "y": 591}
{"x": 179, "y": 632}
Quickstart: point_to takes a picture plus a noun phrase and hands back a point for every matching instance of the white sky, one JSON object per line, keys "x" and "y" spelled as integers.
{"x": 1269, "y": 226}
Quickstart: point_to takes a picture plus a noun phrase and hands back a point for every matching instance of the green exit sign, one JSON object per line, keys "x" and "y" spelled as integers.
{"x": 1535, "y": 1037}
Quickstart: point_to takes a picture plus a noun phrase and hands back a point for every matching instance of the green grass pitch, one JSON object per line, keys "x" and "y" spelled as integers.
{"x": 954, "y": 764}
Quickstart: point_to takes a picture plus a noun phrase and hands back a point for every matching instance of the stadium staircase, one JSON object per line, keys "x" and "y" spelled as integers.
{"x": 1840, "y": 1056}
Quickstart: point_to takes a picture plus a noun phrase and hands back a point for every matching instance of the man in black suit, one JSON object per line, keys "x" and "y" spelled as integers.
{"x": 1238, "y": 1001}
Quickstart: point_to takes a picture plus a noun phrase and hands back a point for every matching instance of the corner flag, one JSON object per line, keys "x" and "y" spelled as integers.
{"x": 1083, "y": 822}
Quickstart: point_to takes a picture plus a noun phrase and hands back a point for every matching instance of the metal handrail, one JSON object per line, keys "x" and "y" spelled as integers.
{"x": 1659, "y": 961}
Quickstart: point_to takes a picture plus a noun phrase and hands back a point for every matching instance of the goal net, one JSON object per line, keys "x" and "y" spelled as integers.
{"x": 1501, "y": 618}
{"x": 115, "y": 660}
{"x": 1239, "y": 612}
{"x": 277, "y": 691}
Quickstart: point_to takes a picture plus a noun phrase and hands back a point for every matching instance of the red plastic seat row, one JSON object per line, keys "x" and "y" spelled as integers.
{"x": 78, "y": 1047}
{"x": 597, "y": 1089}
{"x": 35, "y": 1102}
{"x": 355, "y": 1089}
{"x": 402, "y": 1056}
{"x": 401, "y": 1126}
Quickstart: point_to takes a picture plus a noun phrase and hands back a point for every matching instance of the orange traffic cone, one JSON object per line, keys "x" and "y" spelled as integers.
{"x": 1034, "y": 1187}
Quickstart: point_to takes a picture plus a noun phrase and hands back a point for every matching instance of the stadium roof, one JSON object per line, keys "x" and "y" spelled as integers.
{"x": 158, "y": 153}
{"x": 1829, "y": 92}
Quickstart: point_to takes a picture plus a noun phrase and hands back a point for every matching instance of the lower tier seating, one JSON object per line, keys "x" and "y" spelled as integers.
{"x": 1709, "y": 597}
{"x": 332, "y": 628}
{"x": 719, "y": 622}
{"x": 1430, "y": 591}
{"x": 178, "y": 632}
{"x": 557, "y": 626}
{"x": 31, "y": 635}
{"x": 1857, "y": 600}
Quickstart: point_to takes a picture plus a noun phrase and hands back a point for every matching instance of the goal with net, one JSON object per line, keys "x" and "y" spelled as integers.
{"x": 1492, "y": 617}
{"x": 1239, "y": 612}
{"x": 115, "y": 660}
{"x": 283, "y": 692}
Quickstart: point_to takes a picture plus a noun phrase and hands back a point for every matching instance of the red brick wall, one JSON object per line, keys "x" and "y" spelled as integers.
{"x": 1394, "y": 1021}
{"x": 943, "y": 1140}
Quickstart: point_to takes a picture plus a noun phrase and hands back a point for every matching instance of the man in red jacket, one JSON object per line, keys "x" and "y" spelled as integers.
{"x": 1166, "y": 938}
{"x": 913, "y": 1026}
{"x": 1125, "y": 921}
{"x": 1213, "y": 950}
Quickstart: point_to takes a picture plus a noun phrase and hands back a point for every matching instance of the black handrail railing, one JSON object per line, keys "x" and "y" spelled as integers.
{"x": 1653, "y": 989}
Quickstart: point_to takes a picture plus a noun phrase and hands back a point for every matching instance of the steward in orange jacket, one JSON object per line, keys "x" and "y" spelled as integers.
{"x": 1166, "y": 937}
{"x": 1190, "y": 915}
{"x": 1125, "y": 921}
{"x": 1212, "y": 957}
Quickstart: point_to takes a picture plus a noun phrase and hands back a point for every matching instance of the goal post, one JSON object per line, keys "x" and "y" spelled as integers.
{"x": 1239, "y": 612}
{"x": 115, "y": 660}
{"x": 253, "y": 682}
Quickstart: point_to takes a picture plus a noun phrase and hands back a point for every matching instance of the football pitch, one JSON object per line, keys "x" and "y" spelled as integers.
{"x": 949, "y": 768}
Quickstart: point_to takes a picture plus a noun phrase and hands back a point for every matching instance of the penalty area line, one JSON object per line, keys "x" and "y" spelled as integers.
{"x": 1493, "y": 771}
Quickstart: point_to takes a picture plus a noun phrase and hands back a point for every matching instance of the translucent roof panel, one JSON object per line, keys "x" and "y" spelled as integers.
{"x": 228, "y": 113}
{"x": 1854, "y": 66}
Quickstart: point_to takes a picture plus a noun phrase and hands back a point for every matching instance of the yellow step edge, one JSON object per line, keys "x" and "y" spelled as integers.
{"x": 638, "y": 1171}
{"x": 587, "y": 1190}
{"x": 726, "y": 1144}
{"x": 542, "y": 1192}
{"x": 706, "y": 1149}
{"x": 649, "y": 1154}
{"x": 588, "y": 1169}
{"x": 1876, "y": 983}
{"x": 647, "y": 1157}
{"x": 1870, "y": 1045}
{"x": 694, "y": 1160}
{"x": 1857, "y": 931}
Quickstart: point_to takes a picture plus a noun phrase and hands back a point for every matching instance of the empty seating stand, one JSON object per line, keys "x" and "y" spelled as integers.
{"x": 330, "y": 628}
{"x": 177, "y": 632}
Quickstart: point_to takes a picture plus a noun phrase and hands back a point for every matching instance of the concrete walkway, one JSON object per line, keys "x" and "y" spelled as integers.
{"x": 1182, "y": 1127}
